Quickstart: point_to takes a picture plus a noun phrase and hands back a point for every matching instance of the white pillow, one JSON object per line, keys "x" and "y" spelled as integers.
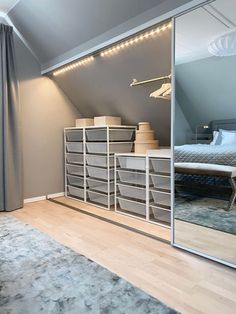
{"x": 216, "y": 134}
{"x": 228, "y": 137}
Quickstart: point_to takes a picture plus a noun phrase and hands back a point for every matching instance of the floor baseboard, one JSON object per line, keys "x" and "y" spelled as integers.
{"x": 34, "y": 199}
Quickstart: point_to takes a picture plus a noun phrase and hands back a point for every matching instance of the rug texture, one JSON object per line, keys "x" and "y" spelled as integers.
{"x": 39, "y": 275}
{"x": 206, "y": 212}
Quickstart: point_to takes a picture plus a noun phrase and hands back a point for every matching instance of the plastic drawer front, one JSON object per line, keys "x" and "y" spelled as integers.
{"x": 101, "y": 148}
{"x": 132, "y": 206}
{"x": 132, "y": 192}
{"x": 99, "y": 198}
{"x": 75, "y": 158}
{"x": 100, "y": 173}
{"x": 77, "y": 192}
{"x": 161, "y": 198}
{"x": 133, "y": 163}
{"x": 161, "y": 165}
{"x": 132, "y": 177}
{"x": 100, "y": 186}
{"x": 99, "y": 160}
{"x": 114, "y": 135}
{"x": 74, "y": 135}
{"x": 74, "y": 180}
{"x": 161, "y": 214}
{"x": 74, "y": 147}
{"x": 160, "y": 182}
{"x": 75, "y": 170}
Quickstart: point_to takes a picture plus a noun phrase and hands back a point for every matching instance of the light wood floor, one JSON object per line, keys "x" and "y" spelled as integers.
{"x": 183, "y": 281}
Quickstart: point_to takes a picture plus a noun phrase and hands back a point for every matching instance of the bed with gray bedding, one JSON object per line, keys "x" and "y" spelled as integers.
{"x": 205, "y": 153}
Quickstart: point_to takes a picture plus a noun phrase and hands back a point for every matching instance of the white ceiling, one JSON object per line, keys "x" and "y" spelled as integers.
{"x": 196, "y": 29}
{"x": 7, "y": 5}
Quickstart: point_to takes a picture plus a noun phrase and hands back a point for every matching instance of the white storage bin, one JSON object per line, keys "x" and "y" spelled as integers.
{"x": 132, "y": 206}
{"x": 95, "y": 135}
{"x": 160, "y": 182}
{"x": 132, "y": 177}
{"x": 132, "y": 191}
{"x": 100, "y": 198}
{"x": 74, "y": 135}
{"x": 161, "y": 198}
{"x": 161, "y": 165}
{"x": 101, "y": 148}
{"x": 75, "y": 170}
{"x": 99, "y": 160}
{"x": 100, "y": 173}
{"x": 74, "y": 180}
{"x": 75, "y": 158}
{"x": 135, "y": 163}
{"x": 100, "y": 186}
{"x": 161, "y": 214}
{"x": 74, "y": 147}
{"x": 77, "y": 192}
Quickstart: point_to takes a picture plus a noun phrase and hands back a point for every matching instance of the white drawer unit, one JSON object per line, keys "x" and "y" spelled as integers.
{"x": 160, "y": 182}
{"x": 131, "y": 177}
{"x": 75, "y": 170}
{"x": 100, "y": 160}
{"x": 89, "y": 161}
{"x": 75, "y": 181}
{"x": 143, "y": 186}
{"x": 131, "y": 163}
{"x": 100, "y": 198}
{"x": 114, "y": 135}
{"x": 100, "y": 186}
{"x": 109, "y": 148}
{"x": 74, "y": 135}
{"x": 76, "y": 192}
{"x": 74, "y": 147}
{"x": 160, "y": 165}
{"x": 100, "y": 173}
{"x": 75, "y": 158}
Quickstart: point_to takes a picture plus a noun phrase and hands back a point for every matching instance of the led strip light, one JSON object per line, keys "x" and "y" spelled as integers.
{"x": 116, "y": 48}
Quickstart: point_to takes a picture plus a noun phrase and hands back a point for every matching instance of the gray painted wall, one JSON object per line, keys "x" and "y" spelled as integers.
{"x": 102, "y": 87}
{"x": 206, "y": 89}
{"x": 182, "y": 127}
{"x": 45, "y": 112}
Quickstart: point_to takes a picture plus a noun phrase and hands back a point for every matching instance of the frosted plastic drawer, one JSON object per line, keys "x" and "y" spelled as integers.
{"x": 74, "y": 135}
{"x": 74, "y": 147}
{"x": 101, "y": 148}
{"x": 77, "y": 192}
{"x": 74, "y": 180}
{"x": 100, "y": 186}
{"x": 132, "y": 191}
{"x": 160, "y": 165}
{"x": 75, "y": 170}
{"x": 160, "y": 182}
{"x": 135, "y": 163}
{"x": 161, "y": 198}
{"x": 100, "y": 173}
{"x": 132, "y": 177}
{"x": 99, "y": 160}
{"x": 75, "y": 158}
{"x": 100, "y": 198}
{"x": 161, "y": 214}
{"x": 114, "y": 135}
{"x": 132, "y": 206}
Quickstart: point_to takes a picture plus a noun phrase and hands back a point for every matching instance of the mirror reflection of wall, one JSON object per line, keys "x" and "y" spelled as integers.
{"x": 205, "y": 130}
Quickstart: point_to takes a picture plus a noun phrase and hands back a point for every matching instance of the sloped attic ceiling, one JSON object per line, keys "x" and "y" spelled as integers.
{"x": 60, "y": 29}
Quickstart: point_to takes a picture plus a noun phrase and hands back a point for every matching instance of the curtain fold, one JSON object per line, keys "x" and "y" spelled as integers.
{"x": 11, "y": 182}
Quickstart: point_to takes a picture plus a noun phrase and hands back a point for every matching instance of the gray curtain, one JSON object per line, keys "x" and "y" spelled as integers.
{"x": 11, "y": 194}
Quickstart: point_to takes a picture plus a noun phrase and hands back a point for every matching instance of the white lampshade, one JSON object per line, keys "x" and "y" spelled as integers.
{"x": 224, "y": 45}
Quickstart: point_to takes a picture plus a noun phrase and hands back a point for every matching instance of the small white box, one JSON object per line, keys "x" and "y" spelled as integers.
{"x": 107, "y": 120}
{"x": 84, "y": 122}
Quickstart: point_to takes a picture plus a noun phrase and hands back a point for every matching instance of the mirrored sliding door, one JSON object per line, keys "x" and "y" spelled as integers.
{"x": 205, "y": 131}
